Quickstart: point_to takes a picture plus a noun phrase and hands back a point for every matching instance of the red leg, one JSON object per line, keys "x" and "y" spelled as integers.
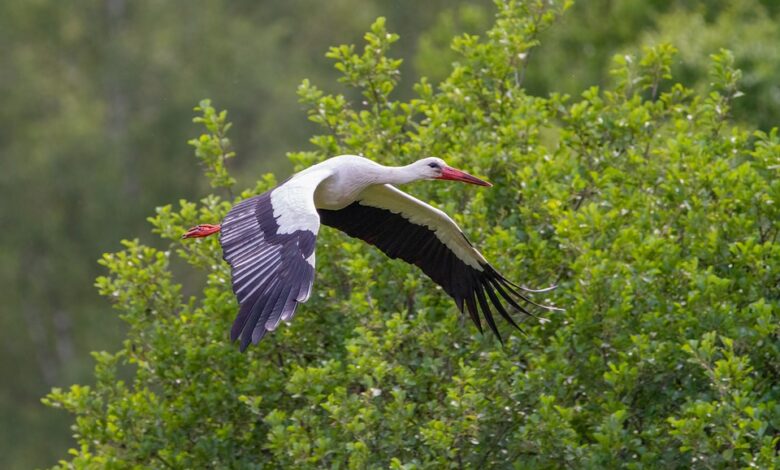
{"x": 202, "y": 230}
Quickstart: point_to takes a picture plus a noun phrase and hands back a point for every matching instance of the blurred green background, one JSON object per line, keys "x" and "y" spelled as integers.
{"x": 97, "y": 101}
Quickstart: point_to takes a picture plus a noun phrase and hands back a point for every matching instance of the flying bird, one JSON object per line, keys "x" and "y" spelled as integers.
{"x": 269, "y": 240}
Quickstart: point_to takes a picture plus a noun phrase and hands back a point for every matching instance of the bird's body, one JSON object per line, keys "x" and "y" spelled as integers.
{"x": 348, "y": 176}
{"x": 269, "y": 239}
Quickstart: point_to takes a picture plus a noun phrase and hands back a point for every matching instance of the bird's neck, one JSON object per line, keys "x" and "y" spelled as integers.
{"x": 397, "y": 175}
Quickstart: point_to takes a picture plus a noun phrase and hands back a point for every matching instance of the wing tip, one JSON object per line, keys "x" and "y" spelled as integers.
{"x": 495, "y": 283}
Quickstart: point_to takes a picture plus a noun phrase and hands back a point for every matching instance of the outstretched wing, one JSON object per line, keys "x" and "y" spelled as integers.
{"x": 405, "y": 227}
{"x": 269, "y": 240}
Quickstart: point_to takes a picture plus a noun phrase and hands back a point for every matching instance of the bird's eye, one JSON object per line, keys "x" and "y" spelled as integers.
{"x": 433, "y": 165}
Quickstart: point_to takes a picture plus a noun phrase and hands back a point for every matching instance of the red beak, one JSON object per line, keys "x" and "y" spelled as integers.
{"x": 449, "y": 173}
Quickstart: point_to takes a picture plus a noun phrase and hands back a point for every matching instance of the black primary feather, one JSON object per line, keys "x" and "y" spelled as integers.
{"x": 473, "y": 290}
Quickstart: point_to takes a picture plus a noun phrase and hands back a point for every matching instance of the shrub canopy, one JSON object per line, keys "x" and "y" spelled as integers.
{"x": 654, "y": 213}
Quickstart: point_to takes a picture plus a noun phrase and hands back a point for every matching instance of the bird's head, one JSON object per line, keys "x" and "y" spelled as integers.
{"x": 436, "y": 168}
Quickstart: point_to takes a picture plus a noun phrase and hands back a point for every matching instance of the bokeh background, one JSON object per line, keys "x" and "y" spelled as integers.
{"x": 96, "y": 103}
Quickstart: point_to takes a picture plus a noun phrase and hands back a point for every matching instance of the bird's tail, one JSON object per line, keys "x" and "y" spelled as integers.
{"x": 202, "y": 230}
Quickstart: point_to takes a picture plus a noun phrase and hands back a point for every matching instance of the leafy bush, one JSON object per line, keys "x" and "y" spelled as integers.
{"x": 655, "y": 215}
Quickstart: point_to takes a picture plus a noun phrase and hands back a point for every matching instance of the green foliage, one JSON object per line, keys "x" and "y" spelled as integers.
{"x": 578, "y": 53}
{"x": 212, "y": 149}
{"x": 745, "y": 27}
{"x": 656, "y": 216}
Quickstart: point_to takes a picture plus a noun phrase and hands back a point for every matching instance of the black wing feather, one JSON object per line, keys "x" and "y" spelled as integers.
{"x": 397, "y": 237}
{"x": 270, "y": 271}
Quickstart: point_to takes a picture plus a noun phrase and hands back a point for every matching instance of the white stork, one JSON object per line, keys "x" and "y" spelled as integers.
{"x": 269, "y": 239}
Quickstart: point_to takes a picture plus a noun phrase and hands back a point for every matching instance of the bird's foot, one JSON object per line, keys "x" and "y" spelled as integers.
{"x": 202, "y": 230}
